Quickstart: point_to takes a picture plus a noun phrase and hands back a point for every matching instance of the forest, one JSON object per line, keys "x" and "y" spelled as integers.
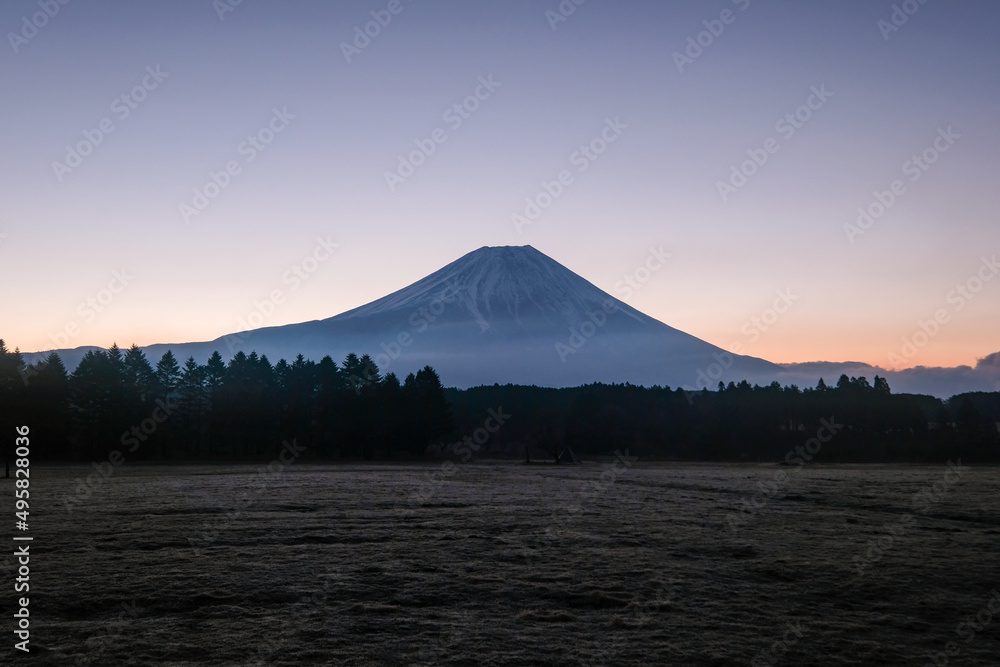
{"x": 245, "y": 409}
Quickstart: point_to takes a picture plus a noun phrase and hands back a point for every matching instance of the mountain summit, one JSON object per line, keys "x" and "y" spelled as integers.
{"x": 506, "y": 290}
{"x": 498, "y": 285}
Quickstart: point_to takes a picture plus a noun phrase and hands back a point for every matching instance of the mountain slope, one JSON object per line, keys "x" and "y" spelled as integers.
{"x": 501, "y": 314}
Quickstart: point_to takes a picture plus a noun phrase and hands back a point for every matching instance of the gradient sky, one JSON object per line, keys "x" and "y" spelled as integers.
{"x": 655, "y": 186}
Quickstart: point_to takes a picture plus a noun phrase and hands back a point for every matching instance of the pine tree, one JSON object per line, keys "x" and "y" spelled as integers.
{"x": 331, "y": 391}
{"x": 48, "y": 407}
{"x": 138, "y": 373}
{"x": 98, "y": 402}
{"x": 432, "y": 418}
{"x": 116, "y": 358}
{"x": 215, "y": 373}
{"x": 167, "y": 374}
{"x": 392, "y": 426}
{"x": 192, "y": 406}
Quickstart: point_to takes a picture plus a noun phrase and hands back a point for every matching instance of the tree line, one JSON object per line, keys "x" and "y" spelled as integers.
{"x": 737, "y": 422}
{"x": 247, "y": 407}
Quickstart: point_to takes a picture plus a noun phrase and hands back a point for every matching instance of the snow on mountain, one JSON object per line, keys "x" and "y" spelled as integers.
{"x": 495, "y": 284}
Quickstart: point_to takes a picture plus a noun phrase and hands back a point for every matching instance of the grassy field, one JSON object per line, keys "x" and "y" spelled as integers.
{"x": 507, "y": 564}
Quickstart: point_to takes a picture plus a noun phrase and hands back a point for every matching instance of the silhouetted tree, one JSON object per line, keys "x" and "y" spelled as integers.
{"x": 98, "y": 400}
{"x": 47, "y": 408}
{"x": 245, "y": 408}
{"x": 192, "y": 408}
{"x": 167, "y": 374}
{"x": 430, "y": 417}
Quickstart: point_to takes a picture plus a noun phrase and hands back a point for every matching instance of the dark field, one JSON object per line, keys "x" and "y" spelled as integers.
{"x": 507, "y": 564}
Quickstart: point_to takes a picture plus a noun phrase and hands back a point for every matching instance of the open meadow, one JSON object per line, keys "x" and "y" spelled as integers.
{"x": 509, "y": 564}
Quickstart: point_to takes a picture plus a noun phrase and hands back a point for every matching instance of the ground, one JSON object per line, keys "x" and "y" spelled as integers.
{"x": 508, "y": 564}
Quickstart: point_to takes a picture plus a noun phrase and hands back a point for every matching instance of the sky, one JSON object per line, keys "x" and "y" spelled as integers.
{"x": 170, "y": 168}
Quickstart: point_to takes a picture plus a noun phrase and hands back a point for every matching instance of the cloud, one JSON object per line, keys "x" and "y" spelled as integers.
{"x": 942, "y": 382}
{"x": 989, "y": 362}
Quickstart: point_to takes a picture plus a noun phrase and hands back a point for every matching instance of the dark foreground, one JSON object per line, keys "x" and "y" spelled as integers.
{"x": 507, "y": 564}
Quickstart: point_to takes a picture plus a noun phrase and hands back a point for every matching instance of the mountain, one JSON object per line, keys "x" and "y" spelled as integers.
{"x": 497, "y": 314}
{"x": 513, "y": 314}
